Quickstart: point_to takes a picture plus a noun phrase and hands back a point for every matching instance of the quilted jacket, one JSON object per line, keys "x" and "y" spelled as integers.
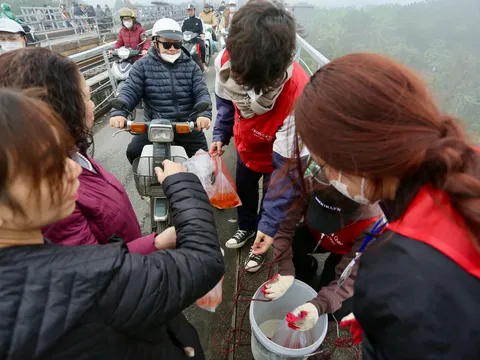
{"x": 169, "y": 91}
{"x": 102, "y": 302}
{"x": 103, "y": 209}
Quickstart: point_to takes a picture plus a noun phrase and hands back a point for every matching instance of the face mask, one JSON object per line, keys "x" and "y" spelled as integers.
{"x": 232, "y": 8}
{"x": 342, "y": 188}
{"x": 9, "y": 45}
{"x": 170, "y": 58}
{"x": 128, "y": 24}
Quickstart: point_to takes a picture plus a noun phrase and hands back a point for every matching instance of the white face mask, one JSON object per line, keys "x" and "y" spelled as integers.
{"x": 128, "y": 24}
{"x": 11, "y": 45}
{"x": 170, "y": 58}
{"x": 232, "y": 8}
{"x": 342, "y": 188}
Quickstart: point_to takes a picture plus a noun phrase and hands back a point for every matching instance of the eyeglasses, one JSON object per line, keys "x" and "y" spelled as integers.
{"x": 316, "y": 172}
{"x": 167, "y": 44}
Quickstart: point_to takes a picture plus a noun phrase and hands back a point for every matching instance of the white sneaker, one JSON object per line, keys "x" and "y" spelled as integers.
{"x": 254, "y": 262}
{"x": 239, "y": 239}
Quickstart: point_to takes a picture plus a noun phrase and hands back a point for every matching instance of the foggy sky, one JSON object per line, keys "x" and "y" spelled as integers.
{"x": 321, "y": 3}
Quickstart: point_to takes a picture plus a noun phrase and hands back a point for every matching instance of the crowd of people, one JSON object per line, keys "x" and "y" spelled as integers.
{"x": 357, "y": 161}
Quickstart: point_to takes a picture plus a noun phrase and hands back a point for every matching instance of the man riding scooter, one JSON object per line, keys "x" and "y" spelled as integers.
{"x": 194, "y": 24}
{"x": 208, "y": 17}
{"x": 12, "y": 35}
{"x": 170, "y": 84}
{"x": 129, "y": 35}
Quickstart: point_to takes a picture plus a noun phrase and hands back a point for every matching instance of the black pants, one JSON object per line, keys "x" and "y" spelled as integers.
{"x": 191, "y": 142}
{"x": 306, "y": 265}
{"x": 247, "y": 187}
{"x": 201, "y": 42}
{"x": 183, "y": 334}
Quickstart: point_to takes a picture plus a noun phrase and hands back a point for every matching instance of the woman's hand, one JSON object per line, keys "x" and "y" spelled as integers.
{"x": 355, "y": 329}
{"x": 277, "y": 286}
{"x": 262, "y": 243}
{"x": 166, "y": 240}
{"x": 216, "y": 148}
{"x": 169, "y": 168}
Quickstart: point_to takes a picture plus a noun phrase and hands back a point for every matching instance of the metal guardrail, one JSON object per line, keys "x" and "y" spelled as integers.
{"x": 310, "y": 58}
{"x": 50, "y": 27}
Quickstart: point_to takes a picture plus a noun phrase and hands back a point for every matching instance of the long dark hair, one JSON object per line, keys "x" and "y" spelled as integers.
{"x": 43, "y": 68}
{"x": 367, "y": 114}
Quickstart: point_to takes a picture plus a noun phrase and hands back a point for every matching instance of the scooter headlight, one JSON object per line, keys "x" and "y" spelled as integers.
{"x": 160, "y": 133}
{"x": 123, "y": 53}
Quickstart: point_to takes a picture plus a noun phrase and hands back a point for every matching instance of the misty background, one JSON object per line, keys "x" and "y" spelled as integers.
{"x": 438, "y": 38}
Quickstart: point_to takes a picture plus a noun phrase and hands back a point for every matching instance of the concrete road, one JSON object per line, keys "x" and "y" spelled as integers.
{"x": 212, "y": 327}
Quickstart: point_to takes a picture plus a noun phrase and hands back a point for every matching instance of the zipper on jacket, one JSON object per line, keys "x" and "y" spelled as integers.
{"x": 175, "y": 100}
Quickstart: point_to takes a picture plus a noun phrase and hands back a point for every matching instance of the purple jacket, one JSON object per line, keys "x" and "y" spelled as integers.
{"x": 103, "y": 209}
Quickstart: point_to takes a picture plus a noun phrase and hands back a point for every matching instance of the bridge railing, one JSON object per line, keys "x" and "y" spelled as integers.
{"x": 308, "y": 57}
{"x": 49, "y": 26}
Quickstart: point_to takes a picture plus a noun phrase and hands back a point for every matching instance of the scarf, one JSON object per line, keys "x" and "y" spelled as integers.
{"x": 248, "y": 106}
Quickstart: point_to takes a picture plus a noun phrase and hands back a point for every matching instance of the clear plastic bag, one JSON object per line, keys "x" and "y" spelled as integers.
{"x": 202, "y": 165}
{"x": 224, "y": 194}
{"x": 292, "y": 339}
{"x": 211, "y": 301}
{"x": 213, "y": 298}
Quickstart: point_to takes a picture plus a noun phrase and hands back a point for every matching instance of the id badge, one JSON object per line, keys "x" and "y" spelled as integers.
{"x": 347, "y": 272}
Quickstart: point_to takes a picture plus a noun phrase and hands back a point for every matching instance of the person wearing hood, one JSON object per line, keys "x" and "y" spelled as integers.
{"x": 8, "y": 14}
{"x": 130, "y": 32}
{"x": 12, "y": 35}
{"x": 170, "y": 83}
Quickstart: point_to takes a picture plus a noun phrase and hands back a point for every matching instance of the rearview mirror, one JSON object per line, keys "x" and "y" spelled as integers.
{"x": 201, "y": 107}
{"x": 119, "y": 105}
{"x": 143, "y": 36}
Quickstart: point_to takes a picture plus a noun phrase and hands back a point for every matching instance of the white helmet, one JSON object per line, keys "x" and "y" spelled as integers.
{"x": 168, "y": 29}
{"x": 232, "y": 3}
{"x": 10, "y": 26}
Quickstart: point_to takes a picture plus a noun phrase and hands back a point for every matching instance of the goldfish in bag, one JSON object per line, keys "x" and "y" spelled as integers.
{"x": 213, "y": 298}
{"x": 224, "y": 194}
{"x": 211, "y": 301}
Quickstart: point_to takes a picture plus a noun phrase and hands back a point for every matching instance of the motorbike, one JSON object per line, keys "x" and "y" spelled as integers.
{"x": 123, "y": 64}
{"x": 161, "y": 135}
{"x": 222, "y": 40}
{"x": 191, "y": 45}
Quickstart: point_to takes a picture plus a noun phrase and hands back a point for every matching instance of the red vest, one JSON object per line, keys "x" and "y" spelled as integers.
{"x": 343, "y": 240}
{"x": 254, "y": 137}
{"x": 431, "y": 219}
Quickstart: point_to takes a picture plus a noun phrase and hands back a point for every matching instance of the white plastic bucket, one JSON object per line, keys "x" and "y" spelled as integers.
{"x": 260, "y": 312}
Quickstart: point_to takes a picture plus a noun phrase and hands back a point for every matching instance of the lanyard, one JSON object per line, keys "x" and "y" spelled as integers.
{"x": 377, "y": 230}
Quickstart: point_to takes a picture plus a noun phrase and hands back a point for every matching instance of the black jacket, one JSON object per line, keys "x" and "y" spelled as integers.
{"x": 412, "y": 301}
{"x": 102, "y": 302}
{"x": 169, "y": 91}
{"x": 193, "y": 24}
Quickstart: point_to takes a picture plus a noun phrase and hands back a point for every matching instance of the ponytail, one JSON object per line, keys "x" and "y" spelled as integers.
{"x": 454, "y": 166}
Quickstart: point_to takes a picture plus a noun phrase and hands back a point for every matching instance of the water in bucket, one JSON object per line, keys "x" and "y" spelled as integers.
{"x": 270, "y": 315}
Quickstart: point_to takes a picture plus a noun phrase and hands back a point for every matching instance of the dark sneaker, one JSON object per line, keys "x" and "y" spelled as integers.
{"x": 239, "y": 239}
{"x": 254, "y": 262}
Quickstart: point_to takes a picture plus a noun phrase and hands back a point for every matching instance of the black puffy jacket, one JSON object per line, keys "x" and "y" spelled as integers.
{"x": 168, "y": 90}
{"x": 102, "y": 302}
